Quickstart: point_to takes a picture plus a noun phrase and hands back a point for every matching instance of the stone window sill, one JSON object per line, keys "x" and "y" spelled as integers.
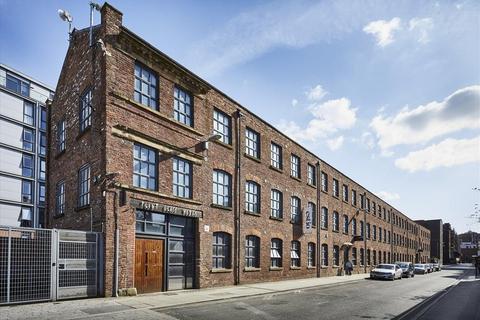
{"x": 311, "y": 267}
{"x": 256, "y": 214}
{"x": 276, "y": 269}
{"x": 276, "y": 219}
{"x": 252, "y": 269}
{"x": 312, "y": 185}
{"x": 295, "y": 268}
{"x": 223, "y": 144}
{"x": 276, "y": 169}
{"x": 296, "y": 178}
{"x": 218, "y": 206}
{"x": 252, "y": 158}
{"x": 221, "y": 270}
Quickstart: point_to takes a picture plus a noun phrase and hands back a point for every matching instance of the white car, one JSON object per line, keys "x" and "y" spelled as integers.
{"x": 386, "y": 271}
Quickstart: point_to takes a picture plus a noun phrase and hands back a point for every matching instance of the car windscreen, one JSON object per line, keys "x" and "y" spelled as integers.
{"x": 403, "y": 265}
{"x": 419, "y": 265}
{"x": 385, "y": 266}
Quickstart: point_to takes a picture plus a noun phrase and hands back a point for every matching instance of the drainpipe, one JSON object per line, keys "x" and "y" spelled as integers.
{"x": 317, "y": 216}
{"x": 238, "y": 188}
{"x": 116, "y": 244}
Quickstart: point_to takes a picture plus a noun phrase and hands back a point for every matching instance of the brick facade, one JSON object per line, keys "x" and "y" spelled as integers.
{"x": 119, "y": 122}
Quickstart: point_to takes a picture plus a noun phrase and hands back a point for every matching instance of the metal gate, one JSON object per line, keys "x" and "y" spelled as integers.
{"x": 49, "y": 264}
{"x": 77, "y": 254}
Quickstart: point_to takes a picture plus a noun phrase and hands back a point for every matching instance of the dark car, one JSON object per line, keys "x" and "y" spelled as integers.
{"x": 408, "y": 270}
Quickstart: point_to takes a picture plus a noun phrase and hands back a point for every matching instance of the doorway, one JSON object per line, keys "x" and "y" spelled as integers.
{"x": 149, "y": 265}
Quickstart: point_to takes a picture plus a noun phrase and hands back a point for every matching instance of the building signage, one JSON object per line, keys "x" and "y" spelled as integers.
{"x": 163, "y": 208}
{"x": 308, "y": 220}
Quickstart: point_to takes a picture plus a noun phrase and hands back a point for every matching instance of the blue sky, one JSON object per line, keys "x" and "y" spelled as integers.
{"x": 386, "y": 91}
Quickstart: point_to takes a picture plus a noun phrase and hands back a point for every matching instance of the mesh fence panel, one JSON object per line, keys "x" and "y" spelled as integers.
{"x": 26, "y": 255}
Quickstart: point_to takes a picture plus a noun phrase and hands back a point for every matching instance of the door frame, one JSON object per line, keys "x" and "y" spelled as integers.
{"x": 165, "y": 256}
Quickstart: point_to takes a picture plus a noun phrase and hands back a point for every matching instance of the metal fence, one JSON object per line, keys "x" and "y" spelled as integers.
{"x": 48, "y": 264}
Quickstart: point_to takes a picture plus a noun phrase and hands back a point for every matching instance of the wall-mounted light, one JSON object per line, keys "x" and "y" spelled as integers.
{"x": 67, "y": 17}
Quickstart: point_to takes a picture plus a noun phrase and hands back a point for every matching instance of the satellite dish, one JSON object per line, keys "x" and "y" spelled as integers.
{"x": 64, "y": 15}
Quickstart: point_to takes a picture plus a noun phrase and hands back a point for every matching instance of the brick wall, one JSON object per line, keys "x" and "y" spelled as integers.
{"x": 112, "y": 152}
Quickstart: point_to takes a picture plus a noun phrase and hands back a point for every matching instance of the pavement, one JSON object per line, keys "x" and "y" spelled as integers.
{"x": 140, "y": 305}
{"x": 459, "y": 301}
{"x": 347, "y": 297}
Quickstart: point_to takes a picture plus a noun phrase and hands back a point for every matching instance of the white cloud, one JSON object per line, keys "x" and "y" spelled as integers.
{"x": 335, "y": 143}
{"x": 294, "y": 102}
{"x": 422, "y": 26}
{"x": 328, "y": 118}
{"x": 368, "y": 140}
{"x": 388, "y": 196}
{"x": 460, "y": 110}
{"x": 316, "y": 93}
{"x": 383, "y": 30}
{"x": 448, "y": 153}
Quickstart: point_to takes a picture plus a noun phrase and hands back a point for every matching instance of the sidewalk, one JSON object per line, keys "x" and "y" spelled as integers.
{"x": 96, "y": 307}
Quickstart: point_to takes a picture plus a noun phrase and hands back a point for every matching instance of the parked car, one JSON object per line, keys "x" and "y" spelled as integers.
{"x": 386, "y": 271}
{"x": 430, "y": 267}
{"x": 407, "y": 269}
{"x": 420, "y": 268}
{"x": 437, "y": 267}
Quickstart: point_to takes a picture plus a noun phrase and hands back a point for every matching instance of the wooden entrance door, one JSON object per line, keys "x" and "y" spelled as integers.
{"x": 149, "y": 265}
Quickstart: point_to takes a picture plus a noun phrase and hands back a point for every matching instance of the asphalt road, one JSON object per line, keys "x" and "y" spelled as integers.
{"x": 370, "y": 299}
{"x": 461, "y": 301}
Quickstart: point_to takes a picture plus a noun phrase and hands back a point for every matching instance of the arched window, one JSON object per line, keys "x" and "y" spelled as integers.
{"x": 335, "y": 222}
{"x": 313, "y": 209}
{"x": 252, "y": 197}
{"x": 222, "y": 188}
{"x": 354, "y": 256}
{"x": 362, "y": 257}
{"x": 324, "y": 222}
{"x": 252, "y": 252}
{"x": 295, "y": 254}
{"x": 311, "y": 254}
{"x": 336, "y": 256}
{"x": 368, "y": 257}
{"x": 221, "y": 250}
{"x": 276, "y": 253}
{"x": 295, "y": 210}
{"x": 276, "y": 204}
{"x": 324, "y": 254}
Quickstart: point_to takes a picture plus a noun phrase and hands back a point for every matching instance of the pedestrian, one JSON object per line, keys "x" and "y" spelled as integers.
{"x": 348, "y": 267}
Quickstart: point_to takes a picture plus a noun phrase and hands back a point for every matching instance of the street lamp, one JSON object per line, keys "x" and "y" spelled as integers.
{"x": 66, "y": 16}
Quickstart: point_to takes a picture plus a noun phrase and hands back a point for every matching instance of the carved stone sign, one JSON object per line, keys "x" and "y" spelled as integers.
{"x": 163, "y": 208}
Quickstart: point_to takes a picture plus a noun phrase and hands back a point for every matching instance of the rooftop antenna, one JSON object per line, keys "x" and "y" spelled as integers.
{"x": 66, "y": 16}
{"x": 93, "y": 6}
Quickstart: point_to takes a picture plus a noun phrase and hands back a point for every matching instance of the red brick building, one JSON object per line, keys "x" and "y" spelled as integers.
{"x": 190, "y": 188}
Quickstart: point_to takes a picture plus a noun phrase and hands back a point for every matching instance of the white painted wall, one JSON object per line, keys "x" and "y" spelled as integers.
{"x": 38, "y": 93}
{"x": 11, "y": 134}
{"x": 10, "y": 161}
{"x": 10, "y": 188}
{"x": 11, "y": 106}
{"x": 9, "y": 214}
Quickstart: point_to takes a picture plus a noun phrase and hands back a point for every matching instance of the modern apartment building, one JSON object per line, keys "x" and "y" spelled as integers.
{"x": 193, "y": 190}
{"x": 23, "y": 145}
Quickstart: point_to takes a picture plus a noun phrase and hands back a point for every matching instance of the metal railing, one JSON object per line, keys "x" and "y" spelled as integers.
{"x": 48, "y": 264}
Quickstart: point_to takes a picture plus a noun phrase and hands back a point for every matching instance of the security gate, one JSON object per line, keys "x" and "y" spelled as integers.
{"x": 77, "y": 254}
{"x": 49, "y": 264}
